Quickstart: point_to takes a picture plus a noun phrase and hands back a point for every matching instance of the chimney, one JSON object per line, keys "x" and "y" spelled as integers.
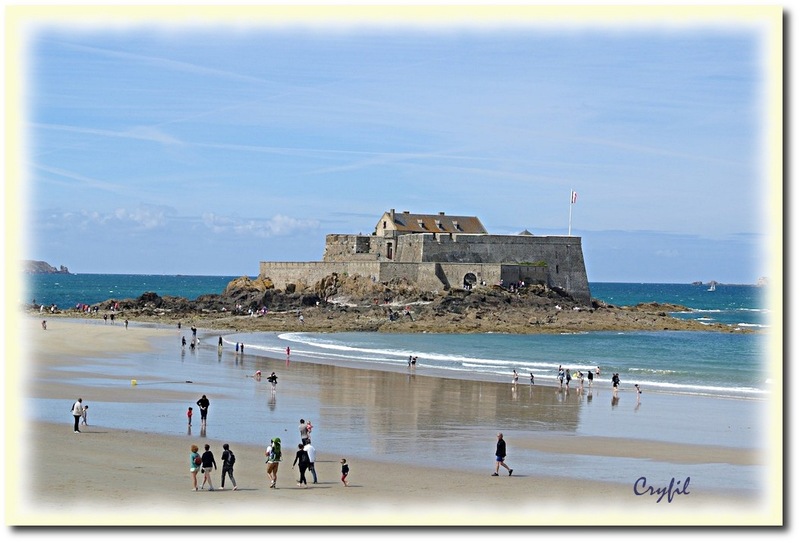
{"x": 391, "y": 214}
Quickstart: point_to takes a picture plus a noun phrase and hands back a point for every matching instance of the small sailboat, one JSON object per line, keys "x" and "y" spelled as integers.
{"x": 712, "y": 286}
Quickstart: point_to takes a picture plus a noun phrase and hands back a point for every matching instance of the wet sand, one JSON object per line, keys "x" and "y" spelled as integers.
{"x": 114, "y": 474}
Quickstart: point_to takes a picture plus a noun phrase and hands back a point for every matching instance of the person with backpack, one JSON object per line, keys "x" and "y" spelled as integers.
{"x": 228, "y": 460}
{"x": 195, "y": 460}
{"x": 274, "y": 457}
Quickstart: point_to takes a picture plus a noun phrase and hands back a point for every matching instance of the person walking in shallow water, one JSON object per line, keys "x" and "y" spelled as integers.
{"x": 500, "y": 456}
{"x": 203, "y": 403}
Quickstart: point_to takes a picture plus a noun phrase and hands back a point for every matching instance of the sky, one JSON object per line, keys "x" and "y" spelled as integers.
{"x": 204, "y": 148}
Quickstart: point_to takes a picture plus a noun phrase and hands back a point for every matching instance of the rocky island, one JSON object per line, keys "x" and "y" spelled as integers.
{"x": 355, "y": 303}
{"x": 39, "y": 266}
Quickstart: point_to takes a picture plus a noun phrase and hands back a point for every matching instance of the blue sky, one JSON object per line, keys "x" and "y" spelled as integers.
{"x": 204, "y": 149}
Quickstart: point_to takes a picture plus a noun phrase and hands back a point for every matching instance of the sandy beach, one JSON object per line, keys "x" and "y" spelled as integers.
{"x": 120, "y": 471}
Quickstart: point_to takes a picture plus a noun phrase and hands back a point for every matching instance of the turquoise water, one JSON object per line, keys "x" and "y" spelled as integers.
{"x": 66, "y": 291}
{"x": 697, "y": 363}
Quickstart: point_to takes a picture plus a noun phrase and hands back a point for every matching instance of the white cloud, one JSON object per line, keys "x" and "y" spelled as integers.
{"x": 279, "y": 225}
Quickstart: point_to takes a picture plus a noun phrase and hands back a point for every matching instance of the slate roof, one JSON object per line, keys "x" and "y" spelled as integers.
{"x": 414, "y": 223}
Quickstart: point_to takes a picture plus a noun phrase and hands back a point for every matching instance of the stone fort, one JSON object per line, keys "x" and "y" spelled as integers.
{"x": 439, "y": 252}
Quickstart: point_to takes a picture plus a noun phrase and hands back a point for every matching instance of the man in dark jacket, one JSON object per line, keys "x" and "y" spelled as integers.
{"x": 500, "y": 456}
{"x": 203, "y": 403}
{"x": 228, "y": 458}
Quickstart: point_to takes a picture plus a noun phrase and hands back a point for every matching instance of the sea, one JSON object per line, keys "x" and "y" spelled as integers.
{"x": 731, "y": 364}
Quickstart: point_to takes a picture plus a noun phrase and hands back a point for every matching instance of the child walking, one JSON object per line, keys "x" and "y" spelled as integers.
{"x": 345, "y": 471}
{"x": 189, "y": 416}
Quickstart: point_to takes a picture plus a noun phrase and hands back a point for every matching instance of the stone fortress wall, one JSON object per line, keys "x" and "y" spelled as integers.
{"x": 438, "y": 261}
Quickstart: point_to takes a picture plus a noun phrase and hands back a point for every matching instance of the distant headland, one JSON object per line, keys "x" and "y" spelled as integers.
{"x": 40, "y": 266}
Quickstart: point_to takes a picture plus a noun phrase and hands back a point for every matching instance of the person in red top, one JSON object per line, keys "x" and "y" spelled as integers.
{"x": 189, "y": 414}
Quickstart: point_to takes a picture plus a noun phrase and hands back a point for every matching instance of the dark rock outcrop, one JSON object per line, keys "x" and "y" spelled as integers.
{"x": 352, "y": 303}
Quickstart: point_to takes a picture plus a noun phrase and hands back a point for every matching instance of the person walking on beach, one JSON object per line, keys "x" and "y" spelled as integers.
{"x": 203, "y": 403}
{"x": 515, "y": 378}
{"x": 560, "y": 377}
{"x": 615, "y": 381}
{"x": 77, "y": 413}
{"x": 567, "y": 377}
{"x": 209, "y": 464}
{"x": 228, "y": 459}
{"x": 590, "y": 376}
{"x": 44, "y": 325}
{"x": 304, "y": 432}
{"x": 273, "y": 380}
{"x": 274, "y": 457}
{"x": 189, "y": 414}
{"x": 301, "y": 458}
{"x": 345, "y": 472}
{"x": 500, "y": 456}
{"x": 194, "y": 465}
{"x": 312, "y": 457}
{"x": 84, "y": 415}
{"x": 531, "y": 378}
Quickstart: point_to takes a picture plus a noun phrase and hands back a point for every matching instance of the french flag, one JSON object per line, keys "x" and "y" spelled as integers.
{"x": 574, "y": 197}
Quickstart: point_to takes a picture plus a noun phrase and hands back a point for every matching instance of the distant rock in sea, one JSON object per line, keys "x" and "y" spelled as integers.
{"x": 39, "y": 266}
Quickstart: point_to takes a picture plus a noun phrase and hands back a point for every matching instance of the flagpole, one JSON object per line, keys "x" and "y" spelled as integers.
{"x": 569, "y": 228}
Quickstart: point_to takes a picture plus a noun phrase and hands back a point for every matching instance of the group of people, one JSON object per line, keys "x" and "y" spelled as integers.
{"x": 206, "y": 464}
{"x": 564, "y": 376}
